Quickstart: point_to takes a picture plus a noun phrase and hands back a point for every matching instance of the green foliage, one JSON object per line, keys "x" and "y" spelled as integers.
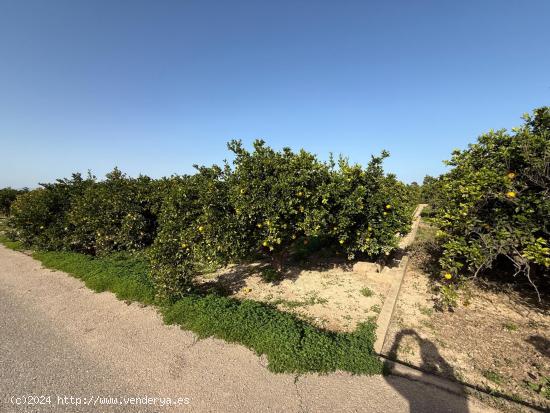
{"x": 271, "y": 204}
{"x": 117, "y": 214}
{"x": 291, "y": 345}
{"x": 495, "y": 202}
{"x": 196, "y": 228}
{"x": 365, "y": 209}
{"x": 276, "y": 198}
{"x": 268, "y": 203}
{"x": 12, "y": 245}
{"x": 39, "y": 217}
{"x": 414, "y": 193}
{"x": 123, "y": 274}
{"x": 283, "y": 198}
{"x": 7, "y": 196}
{"x": 430, "y": 191}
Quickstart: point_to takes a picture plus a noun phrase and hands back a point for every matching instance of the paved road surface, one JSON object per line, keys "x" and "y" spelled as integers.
{"x": 60, "y": 339}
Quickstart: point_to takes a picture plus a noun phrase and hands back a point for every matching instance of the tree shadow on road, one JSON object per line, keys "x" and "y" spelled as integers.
{"x": 423, "y": 397}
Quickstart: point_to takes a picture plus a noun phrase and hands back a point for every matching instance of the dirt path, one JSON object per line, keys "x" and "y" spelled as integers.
{"x": 59, "y": 338}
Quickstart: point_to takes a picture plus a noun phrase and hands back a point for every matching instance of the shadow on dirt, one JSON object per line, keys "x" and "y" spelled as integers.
{"x": 419, "y": 396}
{"x": 231, "y": 279}
{"x": 542, "y": 344}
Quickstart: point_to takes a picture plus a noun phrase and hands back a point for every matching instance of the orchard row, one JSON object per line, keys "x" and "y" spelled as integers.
{"x": 266, "y": 203}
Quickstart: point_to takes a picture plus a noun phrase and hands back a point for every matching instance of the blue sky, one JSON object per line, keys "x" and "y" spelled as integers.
{"x": 156, "y": 86}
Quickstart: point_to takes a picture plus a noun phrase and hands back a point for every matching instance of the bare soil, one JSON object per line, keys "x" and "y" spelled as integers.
{"x": 332, "y": 295}
{"x": 497, "y": 340}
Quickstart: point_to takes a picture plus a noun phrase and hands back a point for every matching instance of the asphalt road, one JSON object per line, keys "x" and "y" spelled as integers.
{"x": 92, "y": 353}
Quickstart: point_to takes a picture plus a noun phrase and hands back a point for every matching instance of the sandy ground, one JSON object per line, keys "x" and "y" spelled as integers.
{"x": 336, "y": 297}
{"x": 59, "y": 338}
{"x": 498, "y": 341}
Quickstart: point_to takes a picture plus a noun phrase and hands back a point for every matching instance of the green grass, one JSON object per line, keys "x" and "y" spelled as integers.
{"x": 510, "y": 326}
{"x": 123, "y": 274}
{"x": 12, "y": 245}
{"x": 427, "y": 212}
{"x": 367, "y": 292}
{"x": 425, "y": 233}
{"x": 493, "y": 376}
{"x": 290, "y": 344}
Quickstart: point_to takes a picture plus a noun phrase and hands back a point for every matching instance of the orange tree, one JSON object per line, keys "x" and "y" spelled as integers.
{"x": 7, "y": 196}
{"x": 284, "y": 198}
{"x": 276, "y": 198}
{"x": 267, "y": 204}
{"x": 366, "y": 210}
{"x": 118, "y": 213}
{"x": 495, "y": 203}
{"x": 196, "y": 228}
{"x": 430, "y": 191}
{"x": 39, "y": 217}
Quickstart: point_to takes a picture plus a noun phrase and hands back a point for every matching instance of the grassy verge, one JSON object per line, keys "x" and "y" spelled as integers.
{"x": 12, "y": 245}
{"x": 124, "y": 275}
{"x": 291, "y": 345}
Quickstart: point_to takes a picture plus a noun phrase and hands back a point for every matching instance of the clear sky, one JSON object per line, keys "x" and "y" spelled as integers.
{"x": 156, "y": 86}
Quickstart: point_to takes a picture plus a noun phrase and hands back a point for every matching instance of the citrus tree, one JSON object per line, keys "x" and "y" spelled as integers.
{"x": 277, "y": 198}
{"x": 196, "y": 229}
{"x": 39, "y": 217}
{"x": 118, "y": 213}
{"x": 7, "y": 196}
{"x": 430, "y": 191}
{"x": 495, "y": 202}
{"x": 366, "y": 210}
{"x": 269, "y": 203}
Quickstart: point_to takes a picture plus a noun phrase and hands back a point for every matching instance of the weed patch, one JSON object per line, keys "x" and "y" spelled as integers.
{"x": 290, "y": 344}
{"x": 493, "y": 376}
{"x": 12, "y": 245}
{"x": 367, "y": 292}
{"x": 123, "y": 274}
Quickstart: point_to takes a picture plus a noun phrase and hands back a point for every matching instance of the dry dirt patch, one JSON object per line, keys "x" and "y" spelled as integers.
{"x": 333, "y": 295}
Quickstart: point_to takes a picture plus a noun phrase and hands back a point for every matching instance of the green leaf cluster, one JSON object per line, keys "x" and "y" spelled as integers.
{"x": 494, "y": 203}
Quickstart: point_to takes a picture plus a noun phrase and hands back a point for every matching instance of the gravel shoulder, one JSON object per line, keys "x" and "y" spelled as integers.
{"x": 60, "y": 338}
